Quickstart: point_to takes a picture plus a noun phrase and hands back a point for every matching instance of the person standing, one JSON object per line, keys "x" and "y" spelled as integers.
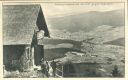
{"x": 53, "y": 65}
{"x": 47, "y": 69}
{"x": 50, "y": 70}
{"x": 43, "y": 66}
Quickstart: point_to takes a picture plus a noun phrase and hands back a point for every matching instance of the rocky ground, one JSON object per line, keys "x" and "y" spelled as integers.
{"x": 27, "y": 74}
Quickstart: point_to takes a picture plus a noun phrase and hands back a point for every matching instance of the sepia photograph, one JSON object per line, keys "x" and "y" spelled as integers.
{"x": 63, "y": 40}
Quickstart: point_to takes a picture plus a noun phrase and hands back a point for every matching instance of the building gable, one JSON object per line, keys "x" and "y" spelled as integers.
{"x": 19, "y": 23}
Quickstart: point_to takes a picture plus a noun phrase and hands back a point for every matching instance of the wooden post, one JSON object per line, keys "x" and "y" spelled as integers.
{"x": 62, "y": 71}
{"x": 32, "y": 53}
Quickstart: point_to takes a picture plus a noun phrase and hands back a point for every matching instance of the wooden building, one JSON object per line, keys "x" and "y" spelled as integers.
{"x": 78, "y": 66}
{"x": 21, "y": 24}
{"x": 84, "y": 69}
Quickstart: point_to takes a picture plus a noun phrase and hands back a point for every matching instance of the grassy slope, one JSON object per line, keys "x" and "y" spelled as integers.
{"x": 118, "y": 42}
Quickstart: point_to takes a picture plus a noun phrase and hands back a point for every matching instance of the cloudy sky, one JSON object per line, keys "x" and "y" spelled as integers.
{"x": 63, "y": 9}
{"x": 58, "y": 10}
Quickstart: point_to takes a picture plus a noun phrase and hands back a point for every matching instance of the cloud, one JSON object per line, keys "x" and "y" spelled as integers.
{"x": 53, "y": 10}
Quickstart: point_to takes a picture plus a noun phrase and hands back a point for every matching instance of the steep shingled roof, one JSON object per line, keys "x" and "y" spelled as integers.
{"x": 19, "y": 23}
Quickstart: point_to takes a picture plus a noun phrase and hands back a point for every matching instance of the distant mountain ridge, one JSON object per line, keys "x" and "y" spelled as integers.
{"x": 87, "y": 21}
{"x": 105, "y": 27}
